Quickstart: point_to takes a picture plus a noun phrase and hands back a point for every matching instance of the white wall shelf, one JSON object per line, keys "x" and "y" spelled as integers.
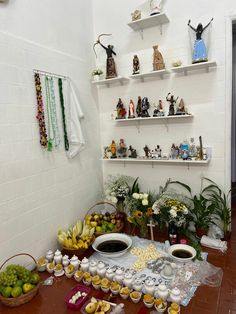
{"x": 151, "y": 74}
{"x": 119, "y": 79}
{"x": 176, "y": 117}
{"x": 149, "y": 21}
{"x": 192, "y": 67}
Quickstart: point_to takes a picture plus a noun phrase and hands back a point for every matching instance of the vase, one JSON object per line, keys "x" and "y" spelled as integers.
{"x": 120, "y": 205}
{"x": 143, "y": 231}
{"x": 96, "y": 78}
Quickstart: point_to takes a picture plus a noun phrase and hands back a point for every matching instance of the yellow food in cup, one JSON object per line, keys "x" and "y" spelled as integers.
{"x": 148, "y": 298}
{"x": 125, "y": 291}
{"x": 58, "y": 267}
{"x": 175, "y": 307}
{"x": 135, "y": 294}
{"x": 105, "y": 283}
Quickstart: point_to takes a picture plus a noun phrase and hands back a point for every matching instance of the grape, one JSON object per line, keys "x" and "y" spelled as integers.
{"x": 14, "y": 273}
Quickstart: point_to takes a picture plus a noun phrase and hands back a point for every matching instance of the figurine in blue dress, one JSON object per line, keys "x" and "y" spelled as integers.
{"x": 199, "y": 51}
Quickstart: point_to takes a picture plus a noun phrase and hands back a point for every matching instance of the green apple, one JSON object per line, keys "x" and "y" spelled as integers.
{"x": 27, "y": 287}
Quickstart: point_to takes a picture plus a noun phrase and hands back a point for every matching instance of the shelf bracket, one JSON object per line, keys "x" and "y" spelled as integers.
{"x": 152, "y": 165}
{"x": 138, "y": 126}
{"x": 141, "y": 33}
{"x": 161, "y": 29}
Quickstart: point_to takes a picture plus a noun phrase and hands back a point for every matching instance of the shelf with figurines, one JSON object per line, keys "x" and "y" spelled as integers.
{"x": 194, "y": 66}
{"x": 110, "y": 81}
{"x": 185, "y": 153}
{"x": 141, "y": 113}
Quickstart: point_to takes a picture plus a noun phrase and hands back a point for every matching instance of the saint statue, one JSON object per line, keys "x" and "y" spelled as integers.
{"x": 155, "y": 7}
{"x": 121, "y": 112}
{"x": 158, "y": 111}
{"x": 113, "y": 149}
{"x": 158, "y": 61}
{"x": 135, "y": 65}
{"x": 139, "y": 107}
{"x": 145, "y": 105}
{"x": 131, "y": 109}
{"x": 172, "y": 102}
{"x": 181, "y": 110}
{"x": 199, "y": 50}
{"x": 122, "y": 149}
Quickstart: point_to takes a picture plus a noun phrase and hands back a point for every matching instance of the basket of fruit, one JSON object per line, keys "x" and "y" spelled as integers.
{"x": 105, "y": 220}
{"x": 18, "y": 285}
{"x": 76, "y": 240}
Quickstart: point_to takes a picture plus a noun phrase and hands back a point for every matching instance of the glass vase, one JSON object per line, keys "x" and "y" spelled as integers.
{"x": 143, "y": 231}
{"x": 120, "y": 205}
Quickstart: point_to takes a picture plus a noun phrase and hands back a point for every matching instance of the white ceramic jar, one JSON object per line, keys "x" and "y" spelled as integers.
{"x": 49, "y": 256}
{"x": 149, "y": 286}
{"x": 119, "y": 276}
{"x": 57, "y": 257}
{"x": 137, "y": 285}
{"x": 75, "y": 262}
{"x": 175, "y": 295}
{"x": 101, "y": 269}
{"x": 110, "y": 274}
{"x": 128, "y": 280}
{"x": 93, "y": 267}
{"x": 65, "y": 260}
{"x": 84, "y": 266}
{"x": 162, "y": 291}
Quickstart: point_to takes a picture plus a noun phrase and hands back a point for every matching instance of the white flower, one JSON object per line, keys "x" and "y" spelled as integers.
{"x": 145, "y": 202}
{"x": 136, "y": 196}
{"x": 113, "y": 194}
{"x": 174, "y": 208}
{"x": 185, "y": 210}
{"x": 145, "y": 195}
{"x": 173, "y": 213}
{"x": 156, "y": 210}
{"x": 114, "y": 200}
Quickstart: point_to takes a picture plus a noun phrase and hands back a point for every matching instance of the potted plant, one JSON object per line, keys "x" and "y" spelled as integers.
{"x": 97, "y": 74}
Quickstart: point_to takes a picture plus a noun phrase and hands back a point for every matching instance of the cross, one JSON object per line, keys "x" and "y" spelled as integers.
{"x": 151, "y": 224}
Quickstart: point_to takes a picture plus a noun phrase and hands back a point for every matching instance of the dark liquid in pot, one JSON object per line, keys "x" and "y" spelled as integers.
{"x": 112, "y": 246}
{"x": 182, "y": 253}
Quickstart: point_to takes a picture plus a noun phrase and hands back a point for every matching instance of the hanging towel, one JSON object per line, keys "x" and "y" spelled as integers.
{"x": 214, "y": 243}
{"x": 76, "y": 138}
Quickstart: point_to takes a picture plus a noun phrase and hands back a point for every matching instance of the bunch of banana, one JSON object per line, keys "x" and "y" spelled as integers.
{"x": 78, "y": 237}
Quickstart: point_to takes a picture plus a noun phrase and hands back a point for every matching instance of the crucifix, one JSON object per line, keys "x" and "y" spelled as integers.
{"x": 151, "y": 224}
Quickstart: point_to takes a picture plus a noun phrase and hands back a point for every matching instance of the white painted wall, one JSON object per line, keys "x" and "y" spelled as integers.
{"x": 203, "y": 93}
{"x": 41, "y": 191}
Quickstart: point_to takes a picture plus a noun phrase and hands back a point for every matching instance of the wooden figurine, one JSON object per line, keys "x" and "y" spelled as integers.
{"x": 133, "y": 153}
{"x": 131, "y": 109}
{"x": 158, "y": 61}
{"x": 113, "y": 149}
{"x": 136, "y": 65}
{"x": 181, "y": 110}
{"x": 121, "y": 112}
{"x": 172, "y": 102}
{"x": 139, "y": 107}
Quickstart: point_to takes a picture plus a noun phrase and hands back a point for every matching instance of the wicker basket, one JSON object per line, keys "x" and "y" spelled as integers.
{"x": 13, "y": 302}
{"x": 113, "y": 209}
{"x": 78, "y": 252}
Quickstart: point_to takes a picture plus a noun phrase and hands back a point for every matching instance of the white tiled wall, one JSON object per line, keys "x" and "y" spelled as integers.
{"x": 40, "y": 191}
{"x": 204, "y": 93}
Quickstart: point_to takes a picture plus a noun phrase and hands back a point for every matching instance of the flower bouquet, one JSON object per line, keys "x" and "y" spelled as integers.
{"x": 96, "y": 74}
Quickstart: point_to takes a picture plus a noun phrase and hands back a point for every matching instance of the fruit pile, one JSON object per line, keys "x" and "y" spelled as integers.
{"x": 17, "y": 280}
{"x": 80, "y": 236}
{"x": 109, "y": 222}
{"x": 97, "y": 306}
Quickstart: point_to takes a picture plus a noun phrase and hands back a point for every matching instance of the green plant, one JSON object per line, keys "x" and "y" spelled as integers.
{"x": 97, "y": 72}
{"x": 202, "y": 212}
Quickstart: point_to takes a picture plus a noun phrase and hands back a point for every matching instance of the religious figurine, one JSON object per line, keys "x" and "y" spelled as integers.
{"x": 122, "y": 149}
{"x": 147, "y": 151}
{"x": 172, "y": 104}
{"x": 199, "y": 49}
{"x": 158, "y": 151}
{"x": 135, "y": 65}
{"x": 139, "y": 107}
{"x": 185, "y": 154}
{"x": 158, "y": 61}
{"x": 155, "y": 7}
{"x": 181, "y": 110}
{"x": 110, "y": 66}
{"x": 145, "y": 105}
{"x": 136, "y": 15}
{"x": 158, "y": 111}
{"x": 131, "y": 109}
{"x": 121, "y": 112}
{"x": 113, "y": 149}
{"x": 106, "y": 149}
{"x": 192, "y": 148}
{"x": 133, "y": 153}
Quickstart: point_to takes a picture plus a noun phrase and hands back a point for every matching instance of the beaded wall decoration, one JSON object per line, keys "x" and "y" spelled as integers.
{"x": 40, "y": 113}
{"x": 66, "y": 142}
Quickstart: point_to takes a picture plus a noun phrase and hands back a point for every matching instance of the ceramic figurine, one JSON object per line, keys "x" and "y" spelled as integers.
{"x": 133, "y": 153}
{"x": 122, "y": 149}
{"x": 131, "y": 110}
{"x": 136, "y": 15}
{"x": 119, "y": 276}
{"x": 174, "y": 152}
{"x": 175, "y": 295}
{"x": 145, "y": 105}
{"x": 128, "y": 280}
{"x": 172, "y": 102}
{"x": 84, "y": 264}
{"x": 113, "y": 149}
{"x": 158, "y": 61}
{"x": 57, "y": 257}
{"x": 139, "y": 107}
{"x": 101, "y": 269}
{"x": 181, "y": 110}
{"x": 110, "y": 274}
{"x": 93, "y": 267}
{"x": 158, "y": 151}
{"x": 65, "y": 260}
{"x": 137, "y": 285}
{"x": 192, "y": 148}
{"x": 49, "y": 256}
{"x": 162, "y": 291}
{"x": 75, "y": 262}
{"x": 199, "y": 49}
{"x": 155, "y": 7}
{"x": 149, "y": 286}
{"x": 105, "y": 156}
{"x": 158, "y": 111}
{"x": 135, "y": 65}
{"x": 121, "y": 112}
{"x": 147, "y": 151}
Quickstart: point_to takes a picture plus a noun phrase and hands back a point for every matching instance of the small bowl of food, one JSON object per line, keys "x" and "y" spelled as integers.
{"x": 105, "y": 285}
{"x": 182, "y": 253}
{"x": 50, "y": 267}
{"x": 87, "y": 281}
{"x": 78, "y": 275}
{"x": 135, "y": 296}
{"x": 69, "y": 271}
{"x": 115, "y": 288}
{"x": 148, "y": 300}
{"x": 42, "y": 264}
{"x": 96, "y": 282}
{"x": 174, "y": 308}
{"x": 124, "y": 292}
{"x": 160, "y": 305}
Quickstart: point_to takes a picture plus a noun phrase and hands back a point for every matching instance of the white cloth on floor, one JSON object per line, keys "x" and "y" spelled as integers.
{"x": 76, "y": 138}
{"x": 214, "y": 243}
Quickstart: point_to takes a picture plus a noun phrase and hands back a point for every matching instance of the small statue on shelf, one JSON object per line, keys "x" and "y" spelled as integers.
{"x": 199, "y": 50}
{"x": 136, "y": 15}
{"x": 139, "y": 107}
{"x": 172, "y": 104}
{"x": 185, "y": 154}
{"x": 181, "y": 110}
{"x": 145, "y": 105}
{"x": 121, "y": 112}
{"x": 174, "y": 152}
{"x": 147, "y": 151}
{"x": 133, "y": 153}
{"x": 158, "y": 61}
{"x": 155, "y": 7}
{"x": 192, "y": 148}
{"x": 106, "y": 150}
{"x": 122, "y": 149}
{"x": 136, "y": 65}
{"x": 158, "y": 151}
{"x": 131, "y": 109}
{"x": 113, "y": 149}
{"x": 158, "y": 111}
